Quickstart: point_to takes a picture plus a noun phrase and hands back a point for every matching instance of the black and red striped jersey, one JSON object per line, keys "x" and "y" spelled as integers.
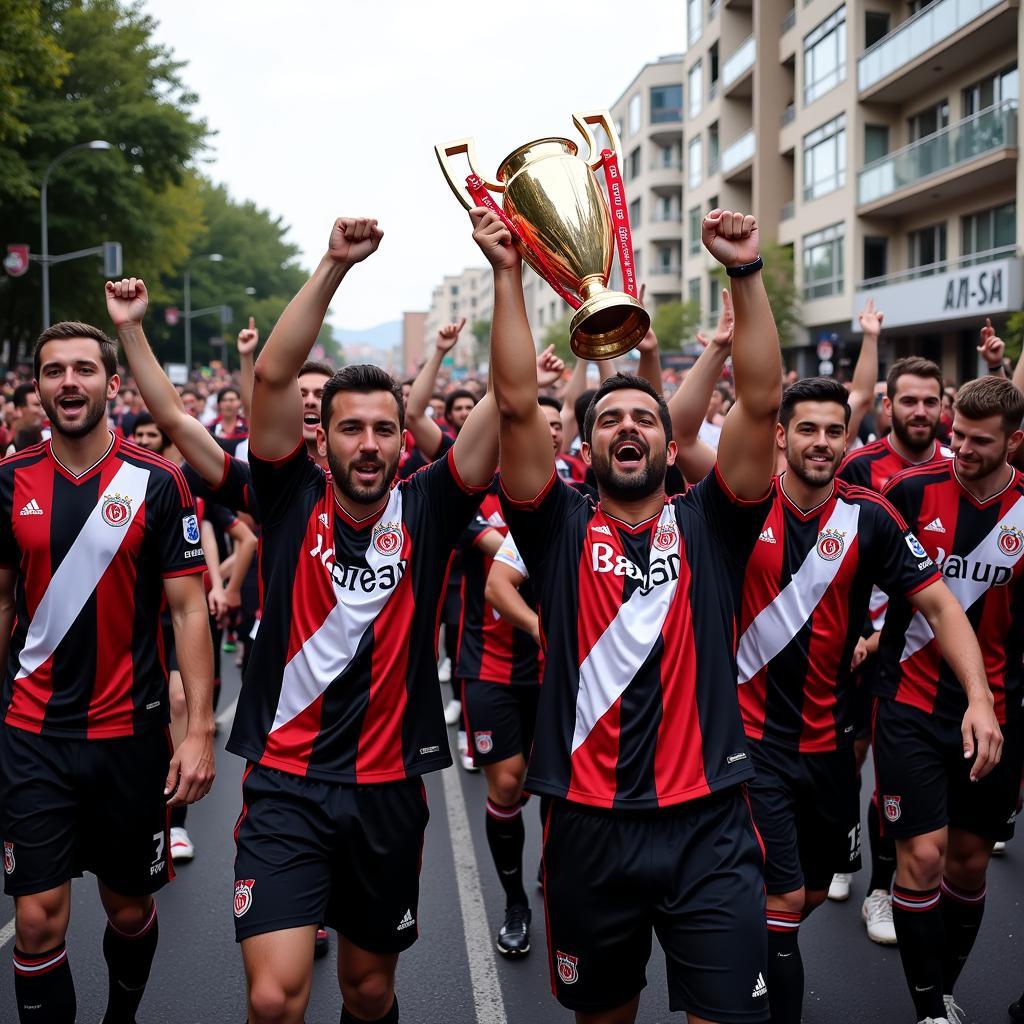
{"x": 342, "y": 682}
{"x": 490, "y": 648}
{"x": 979, "y": 547}
{"x": 874, "y": 465}
{"x": 638, "y": 707}
{"x": 91, "y": 552}
{"x": 805, "y": 596}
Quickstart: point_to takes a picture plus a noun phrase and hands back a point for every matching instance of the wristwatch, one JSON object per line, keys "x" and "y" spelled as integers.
{"x": 745, "y": 269}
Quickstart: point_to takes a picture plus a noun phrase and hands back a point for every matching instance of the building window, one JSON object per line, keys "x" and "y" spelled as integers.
{"x": 713, "y": 155}
{"x": 928, "y": 122}
{"x": 666, "y": 209}
{"x": 825, "y": 158}
{"x": 876, "y": 26}
{"x": 666, "y": 104}
{"x": 618, "y": 128}
{"x": 927, "y": 248}
{"x": 715, "y": 293}
{"x": 636, "y": 263}
{"x": 668, "y": 262}
{"x": 992, "y": 90}
{"x": 989, "y": 229}
{"x": 713, "y": 62}
{"x": 825, "y": 56}
{"x": 695, "y": 83}
{"x": 876, "y": 142}
{"x": 634, "y": 114}
{"x": 695, "y": 157}
{"x": 694, "y": 219}
{"x": 633, "y": 169}
{"x": 635, "y": 211}
{"x": 693, "y": 290}
{"x": 823, "y": 262}
{"x": 666, "y": 156}
{"x": 876, "y": 257}
{"x": 693, "y": 20}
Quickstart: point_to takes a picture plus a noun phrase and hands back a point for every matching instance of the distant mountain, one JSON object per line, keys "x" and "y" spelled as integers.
{"x": 383, "y": 337}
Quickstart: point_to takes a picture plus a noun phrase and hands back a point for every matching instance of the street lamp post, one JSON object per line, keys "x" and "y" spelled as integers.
{"x": 212, "y": 257}
{"x": 95, "y": 144}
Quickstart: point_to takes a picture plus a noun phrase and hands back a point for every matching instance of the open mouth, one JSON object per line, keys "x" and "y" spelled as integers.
{"x": 311, "y": 420}
{"x": 366, "y": 472}
{"x": 71, "y": 403}
{"x": 823, "y": 460}
{"x": 628, "y": 454}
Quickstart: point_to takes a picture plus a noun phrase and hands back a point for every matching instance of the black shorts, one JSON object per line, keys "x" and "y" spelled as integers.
{"x": 68, "y": 806}
{"x": 499, "y": 720}
{"x": 311, "y": 852}
{"x": 923, "y": 780}
{"x": 691, "y": 873}
{"x": 806, "y": 808}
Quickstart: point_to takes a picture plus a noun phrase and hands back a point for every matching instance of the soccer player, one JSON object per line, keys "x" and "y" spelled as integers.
{"x": 339, "y": 712}
{"x": 946, "y": 796}
{"x": 805, "y": 598}
{"x": 639, "y": 739}
{"x": 96, "y": 532}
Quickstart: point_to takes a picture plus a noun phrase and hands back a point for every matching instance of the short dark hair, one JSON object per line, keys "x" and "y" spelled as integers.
{"x": 550, "y": 401}
{"x": 26, "y": 437}
{"x": 813, "y": 389}
{"x": 580, "y": 407}
{"x": 145, "y": 419}
{"x": 68, "y": 329}
{"x": 623, "y": 382}
{"x": 364, "y": 379}
{"x": 913, "y": 366}
{"x": 991, "y": 396}
{"x": 454, "y": 397}
{"x": 229, "y": 390}
{"x": 21, "y": 393}
{"x": 316, "y": 366}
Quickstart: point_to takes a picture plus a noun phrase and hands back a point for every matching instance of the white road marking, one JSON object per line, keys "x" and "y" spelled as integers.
{"x": 6, "y": 933}
{"x": 227, "y": 716}
{"x": 483, "y": 971}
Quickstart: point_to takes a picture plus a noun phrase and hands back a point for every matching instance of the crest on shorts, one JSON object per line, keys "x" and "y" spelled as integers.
{"x": 387, "y": 537}
{"x": 8, "y": 858}
{"x": 665, "y": 537}
{"x": 243, "y": 895}
{"x": 567, "y": 967}
{"x": 116, "y": 509}
{"x": 891, "y": 807}
{"x": 483, "y": 741}
{"x": 831, "y": 544}
{"x": 1011, "y": 541}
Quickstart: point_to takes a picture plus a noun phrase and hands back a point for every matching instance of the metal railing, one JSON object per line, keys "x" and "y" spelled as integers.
{"x": 788, "y": 21}
{"x": 740, "y": 61}
{"x": 672, "y": 217}
{"x": 739, "y": 152}
{"x": 675, "y": 164}
{"x": 788, "y": 211}
{"x": 788, "y": 115}
{"x": 915, "y": 36}
{"x": 942, "y": 267}
{"x": 989, "y": 129}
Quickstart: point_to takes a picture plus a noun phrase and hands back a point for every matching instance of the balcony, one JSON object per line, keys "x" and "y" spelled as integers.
{"x": 967, "y": 157}
{"x": 737, "y": 158}
{"x": 665, "y": 226}
{"x": 665, "y": 178}
{"x": 788, "y": 211}
{"x": 737, "y": 71}
{"x": 664, "y": 280}
{"x": 974, "y": 286}
{"x": 712, "y": 11}
{"x": 788, "y": 132}
{"x": 944, "y": 37}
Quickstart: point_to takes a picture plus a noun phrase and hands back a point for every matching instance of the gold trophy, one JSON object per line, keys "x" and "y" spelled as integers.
{"x": 563, "y": 228}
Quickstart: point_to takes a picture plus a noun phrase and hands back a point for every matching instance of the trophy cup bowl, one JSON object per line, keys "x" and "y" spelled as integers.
{"x": 552, "y": 197}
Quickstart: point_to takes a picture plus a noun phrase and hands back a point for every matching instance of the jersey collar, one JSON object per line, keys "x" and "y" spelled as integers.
{"x": 77, "y": 478}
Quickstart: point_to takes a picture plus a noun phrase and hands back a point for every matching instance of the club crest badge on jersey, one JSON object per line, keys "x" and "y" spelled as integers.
{"x": 116, "y": 509}
{"x": 665, "y": 537}
{"x": 243, "y": 895}
{"x": 484, "y": 742}
{"x": 1011, "y": 541}
{"x": 831, "y": 544}
{"x": 567, "y": 967}
{"x": 387, "y": 537}
{"x": 916, "y": 547}
{"x": 190, "y": 529}
{"x": 8, "y": 858}
{"x": 891, "y": 808}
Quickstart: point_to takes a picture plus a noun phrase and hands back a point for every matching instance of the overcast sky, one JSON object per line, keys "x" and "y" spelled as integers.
{"x": 326, "y": 108}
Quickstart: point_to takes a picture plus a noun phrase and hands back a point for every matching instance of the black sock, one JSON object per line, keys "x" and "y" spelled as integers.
{"x": 179, "y": 812}
{"x": 785, "y": 967}
{"x": 43, "y": 987}
{"x": 391, "y": 1017}
{"x": 129, "y": 958}
{"x": 962, "y": 911}
{"x": 506, "y": 836}
{"x": 920, "y": 933}
{"x": 883, "y": 852}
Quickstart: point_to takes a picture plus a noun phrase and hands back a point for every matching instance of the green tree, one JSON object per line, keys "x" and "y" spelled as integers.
{"x": 1014, "y": 335}
{"x": 557, "y": 334}
{"x": 674, "y": 323}
{"x": 780, "y": 284}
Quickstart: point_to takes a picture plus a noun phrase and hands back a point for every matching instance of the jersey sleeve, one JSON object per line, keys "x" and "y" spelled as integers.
{"x": 737, "y": 523}
{"x": 903, "y": 565}
{"x": 220, "y": 515}
{"x": 450, "y": 503}
{"x": 508, "y": 554}
{"x": 234, "y": 490}
{"x": 175, "y": 527}
{"x": 277, "y": 482}
{"x": 477, "y": 529}
{"x": 855, "y": 471}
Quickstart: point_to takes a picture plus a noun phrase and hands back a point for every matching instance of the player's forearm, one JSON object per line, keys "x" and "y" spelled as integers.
{"x": 194, "y": 649}
{"x": 476, "y": 448}
{"x": 244, "y": 553}
{"x": 502, "y": 595}
{"x": 210, "y": 554}
{"x": 1018, "y": 373}
{"x": 650, "y": 368}
{"x": 959, "y": 646}
{"x": 689, "y": 405}
{"x": 513, "y": 357}
{"x": 756, "y": 355}
{"x": 862, "y": 385}
{"x": 424, "y": 384}
{"x": 246, "y": 380}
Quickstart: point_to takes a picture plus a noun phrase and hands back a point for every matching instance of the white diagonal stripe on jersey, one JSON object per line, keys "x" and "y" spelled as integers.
{"x": 776, "y": 625}
{"x": 329, "y": 651}
{"x": 969, "y": 591}
{"x": 625, "y": 645}
{"x": 81, "y": 570}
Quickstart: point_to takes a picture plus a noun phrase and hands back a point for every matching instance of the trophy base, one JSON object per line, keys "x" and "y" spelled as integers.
{"x": 608, "y": 325}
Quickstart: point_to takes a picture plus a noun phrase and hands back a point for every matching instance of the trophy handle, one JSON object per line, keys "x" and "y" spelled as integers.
{"x": 584, "y": 120}
{"x": 455, "y": 183}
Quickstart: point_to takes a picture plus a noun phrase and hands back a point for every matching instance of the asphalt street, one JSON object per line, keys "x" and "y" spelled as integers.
{"x": 453, "y": 974}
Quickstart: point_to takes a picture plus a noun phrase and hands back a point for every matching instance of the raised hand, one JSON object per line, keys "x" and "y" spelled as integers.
{"x": 992, "y": 348}
{"x": 549, "y": 368}
{"x": 248, "y": 338}
{"x": 726, "y": 325}
{"x": 494, "y": 239}
{"x": 730, "y": 237}
{"x": 449, "y": 335}
{"x": 353, "y": 239}
{"x": 870, "y": 318}
{"x": 649, "y": 342}
{"x": 127, "y": 300}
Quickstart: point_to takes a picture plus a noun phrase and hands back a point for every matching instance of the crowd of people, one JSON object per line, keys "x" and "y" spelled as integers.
{"x": 678, "y": 611}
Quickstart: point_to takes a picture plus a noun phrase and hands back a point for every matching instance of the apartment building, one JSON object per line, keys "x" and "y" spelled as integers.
{"x": 879, "y": 140}
{"x": 414, "y": 325}
{"x": 470, "y": 295}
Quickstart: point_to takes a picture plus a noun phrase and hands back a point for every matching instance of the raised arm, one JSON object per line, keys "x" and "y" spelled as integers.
{"x": 527, "y": 460}
{"x": 248, "y": 339}
{"x": 746, "y": 450}
{"x": 425, "y": 432}
{"x": 865, "y": 373}
{"x": 576, "y": 386}
{"x": 126, "y": 303}
{"x": 275, "y": 429}
{"x": 650, "y": 358}
{"x": 992, "y": 349}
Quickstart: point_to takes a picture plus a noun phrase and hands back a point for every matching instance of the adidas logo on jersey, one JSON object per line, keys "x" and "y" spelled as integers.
{"x": 768, "y": 536}
{"x": 407, "y": 922}
{"x": 936, "y": 526}
{"x": 602, "y": 529}
{"x": 760, "y": 988}
{"x": 31, "y": 508}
